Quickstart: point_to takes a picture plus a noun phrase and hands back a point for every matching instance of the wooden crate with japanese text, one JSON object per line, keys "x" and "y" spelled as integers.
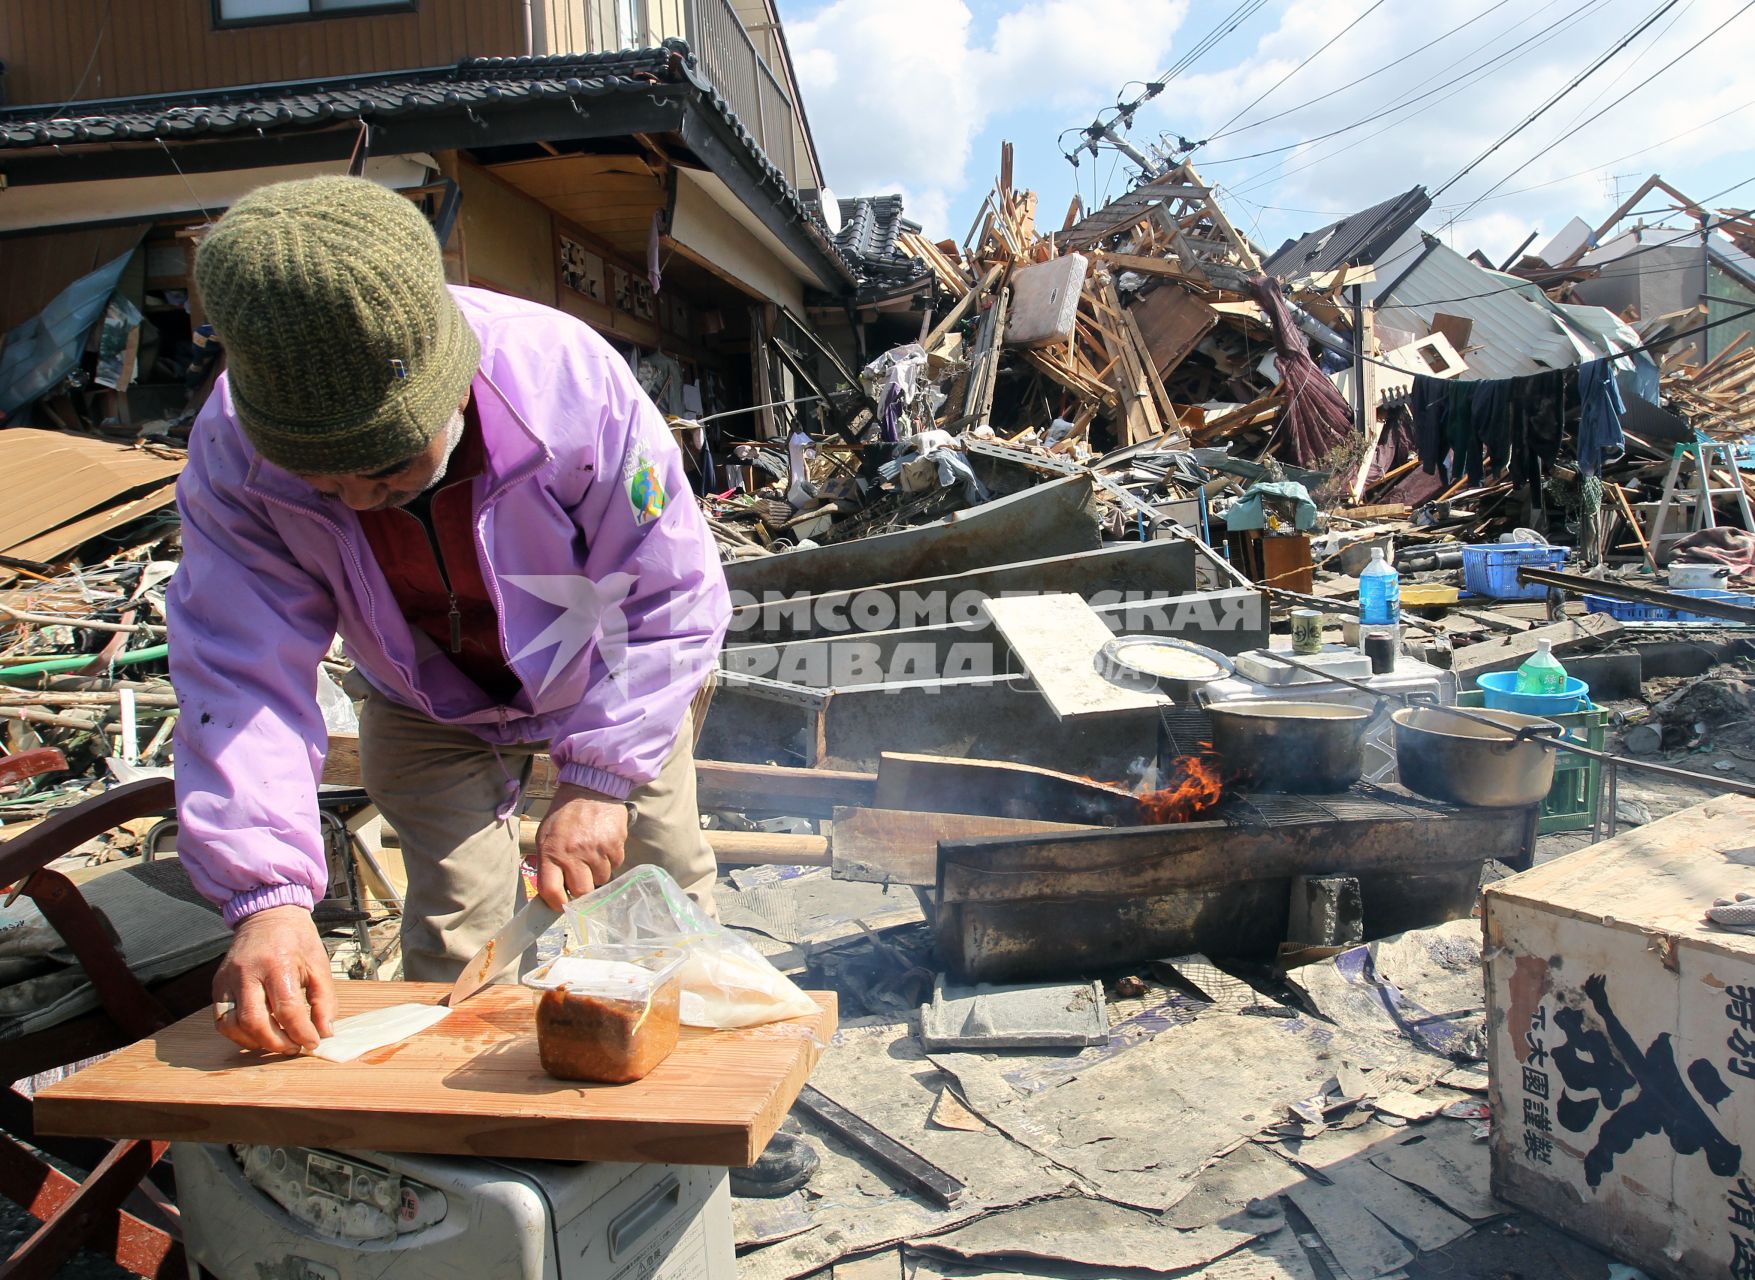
{"x": 1621, "y": 1040}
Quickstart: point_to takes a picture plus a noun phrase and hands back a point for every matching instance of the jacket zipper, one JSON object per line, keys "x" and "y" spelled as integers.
{"x": 455, "y": 617}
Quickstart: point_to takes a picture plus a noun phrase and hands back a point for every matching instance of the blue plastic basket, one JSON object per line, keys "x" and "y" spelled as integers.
{"x": 1632, "y": 611}
{"x": 1500, "y": 688}
{"x": 1490, "y": 569}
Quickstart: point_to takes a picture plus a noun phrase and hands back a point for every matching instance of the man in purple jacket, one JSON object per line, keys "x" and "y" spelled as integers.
{"x": 475, "y": 494}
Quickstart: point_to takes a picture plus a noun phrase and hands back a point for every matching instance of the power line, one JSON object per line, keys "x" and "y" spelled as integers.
{"x": 1402, "y": 100}
{"x": 1611, "y": 106}
{"x": 1227, "y": 131}
{"x": 1295, "y": 70}
{"x": 1122, "y": 113}
{"x": 1572, "y": 84}
{"x": 1461, "y": 82}
{"x": 1554, "y": 182}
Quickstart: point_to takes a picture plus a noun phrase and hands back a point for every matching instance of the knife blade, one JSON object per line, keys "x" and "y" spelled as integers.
{"x": 504, "y": 948}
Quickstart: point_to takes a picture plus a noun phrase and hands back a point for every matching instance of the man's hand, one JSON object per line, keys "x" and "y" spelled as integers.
{"x": 579, "y": 844}
{"x": 276, "y": 981}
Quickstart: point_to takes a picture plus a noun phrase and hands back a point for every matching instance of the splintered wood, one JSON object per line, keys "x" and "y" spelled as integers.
{"x": 1161, "y": 323}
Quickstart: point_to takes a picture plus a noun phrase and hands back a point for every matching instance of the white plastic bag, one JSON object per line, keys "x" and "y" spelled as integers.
{"x": 725, "y": 981}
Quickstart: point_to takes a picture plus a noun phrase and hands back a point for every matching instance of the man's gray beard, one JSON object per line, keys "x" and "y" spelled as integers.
{"x": 453, "y": 437}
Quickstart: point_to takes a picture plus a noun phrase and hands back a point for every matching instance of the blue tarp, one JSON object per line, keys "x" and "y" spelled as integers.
{"x": 44, "y": 349}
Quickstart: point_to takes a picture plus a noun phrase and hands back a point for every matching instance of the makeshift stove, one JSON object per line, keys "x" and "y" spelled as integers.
{"x": 1046, "y": 904}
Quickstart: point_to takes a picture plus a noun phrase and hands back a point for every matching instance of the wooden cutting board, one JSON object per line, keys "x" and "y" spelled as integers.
{"x": 472, "y": 1085}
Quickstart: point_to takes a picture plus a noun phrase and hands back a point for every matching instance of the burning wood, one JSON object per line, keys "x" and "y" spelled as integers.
{"x": 1192, "y": 787}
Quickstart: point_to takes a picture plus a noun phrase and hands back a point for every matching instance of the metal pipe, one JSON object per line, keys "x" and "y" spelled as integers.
{"x": 152, "y": 654}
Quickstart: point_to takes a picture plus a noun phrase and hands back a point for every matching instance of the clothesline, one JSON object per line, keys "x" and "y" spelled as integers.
{"x": 1494, "y": 424}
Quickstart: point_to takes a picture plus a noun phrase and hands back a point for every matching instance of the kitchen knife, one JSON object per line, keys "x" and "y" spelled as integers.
{"x": 504, "y": 948}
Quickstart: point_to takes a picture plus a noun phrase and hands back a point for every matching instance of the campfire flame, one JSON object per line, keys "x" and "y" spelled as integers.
{"x": 1193, "y": 787}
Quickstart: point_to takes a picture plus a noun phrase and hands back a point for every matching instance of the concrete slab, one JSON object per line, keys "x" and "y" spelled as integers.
{"x": 1048, "y": 1016}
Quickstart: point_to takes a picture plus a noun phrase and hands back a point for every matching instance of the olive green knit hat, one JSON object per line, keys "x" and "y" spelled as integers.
{"x": 346, "y": 352}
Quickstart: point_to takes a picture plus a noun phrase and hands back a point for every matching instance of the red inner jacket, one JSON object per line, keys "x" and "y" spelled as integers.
{"x": 425, "y": 588}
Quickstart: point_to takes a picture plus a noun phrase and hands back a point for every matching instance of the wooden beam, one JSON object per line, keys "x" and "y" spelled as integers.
{"x": 720, "y": 784}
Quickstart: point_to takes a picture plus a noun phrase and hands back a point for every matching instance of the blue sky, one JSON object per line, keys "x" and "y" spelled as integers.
{"x": 917, "y": 95}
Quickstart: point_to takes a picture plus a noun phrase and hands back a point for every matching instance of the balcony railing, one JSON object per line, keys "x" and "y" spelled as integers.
{"x": 733, "y": 64}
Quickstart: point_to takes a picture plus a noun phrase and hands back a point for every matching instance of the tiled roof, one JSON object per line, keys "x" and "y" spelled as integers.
{"x": 474, "y": 82}
{"x": 302, "y": 104}
{"x": 870, "y": 226}
{"x": 1354, "y": 240}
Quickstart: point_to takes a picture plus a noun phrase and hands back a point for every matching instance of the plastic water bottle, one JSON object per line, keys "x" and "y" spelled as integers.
{"x": 1380, "y": 593}
{"x": 1542, "y": 672}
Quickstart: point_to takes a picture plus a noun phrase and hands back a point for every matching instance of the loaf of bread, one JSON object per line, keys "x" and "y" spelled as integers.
{"x": 603, "y": 1038}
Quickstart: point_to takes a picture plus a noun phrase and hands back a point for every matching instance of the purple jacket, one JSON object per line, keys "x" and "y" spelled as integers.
{"x": 611, "y": 604}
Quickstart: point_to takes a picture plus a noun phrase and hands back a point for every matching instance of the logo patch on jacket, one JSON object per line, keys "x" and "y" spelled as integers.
{"x": 645, "y": 488}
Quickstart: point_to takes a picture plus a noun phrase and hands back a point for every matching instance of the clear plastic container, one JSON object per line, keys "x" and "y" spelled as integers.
{"x": 1380, "y": 593}
{"x": 1542, "y": 672}
{"x": 608, "y": 1015}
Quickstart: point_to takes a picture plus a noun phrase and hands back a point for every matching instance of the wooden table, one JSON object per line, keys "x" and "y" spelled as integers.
{"x": 471, "y": 1086}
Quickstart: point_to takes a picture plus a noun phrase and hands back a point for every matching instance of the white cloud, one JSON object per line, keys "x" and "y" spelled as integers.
{"x": 898, "y": 93}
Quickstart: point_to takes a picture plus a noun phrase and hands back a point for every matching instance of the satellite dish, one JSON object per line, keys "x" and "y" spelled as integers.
{"x": 831, "y": 208}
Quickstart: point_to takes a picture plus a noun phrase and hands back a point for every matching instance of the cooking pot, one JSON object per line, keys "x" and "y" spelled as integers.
{"x": 1301, "y": 747}
{"x": 1462, "y": 761}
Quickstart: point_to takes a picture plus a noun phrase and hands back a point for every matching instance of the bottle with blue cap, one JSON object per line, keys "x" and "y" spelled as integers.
{"x": 1380, "y": 592}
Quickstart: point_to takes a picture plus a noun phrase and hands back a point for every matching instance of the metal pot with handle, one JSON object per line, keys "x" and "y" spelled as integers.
{"x": 1299, "y": 747}
{"x": 1464, "y": 759}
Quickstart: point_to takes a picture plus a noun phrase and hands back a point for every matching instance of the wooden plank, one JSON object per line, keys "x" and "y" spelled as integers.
{"x": 1172, "y": 321}
{"x": 471, "y": 1086}
{"x": 1592, "y": 631}
{"x": 720, "y": 784}
{"x": 899, "y": 846}
{"x": 733, "y": 848}
{"x": 1057, "y": 638}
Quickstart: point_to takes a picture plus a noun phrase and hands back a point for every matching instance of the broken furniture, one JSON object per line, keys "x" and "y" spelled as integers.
{"x": 148, "y": 959}
{"x": 1012, "y": 909}
{"x": 1621, "y": 1043}
{"x": 1283, "y": 562}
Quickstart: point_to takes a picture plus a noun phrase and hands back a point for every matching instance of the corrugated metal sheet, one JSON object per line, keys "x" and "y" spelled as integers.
{"x": 1514, "y": 333}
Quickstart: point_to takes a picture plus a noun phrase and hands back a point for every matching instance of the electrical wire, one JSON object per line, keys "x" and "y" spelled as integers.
{"x": 91, "y": 61}
{"x": 1274, "y": 173}
{"x": 1226, "y": 131}
{"x": 1124, "y": 111}
{"x": 1554, "y": 182}
{"x": 1555, "y": 98}
{"x": 1750, "y": 4}
{"x": 1329, "y": 43}
{"x": 1403, "y": 99}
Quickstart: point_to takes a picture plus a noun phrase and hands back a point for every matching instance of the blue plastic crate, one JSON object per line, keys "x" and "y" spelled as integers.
{"x": 1632, "y": 611}
{"x": 1490, "y": 569}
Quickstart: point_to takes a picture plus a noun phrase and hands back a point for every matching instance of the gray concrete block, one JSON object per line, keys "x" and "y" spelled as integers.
{"x": 1327, "y": 911}
{"x": 1066, "y": 1016}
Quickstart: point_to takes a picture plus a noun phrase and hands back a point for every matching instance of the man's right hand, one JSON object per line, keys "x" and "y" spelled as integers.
{"x": 276, "y": 981}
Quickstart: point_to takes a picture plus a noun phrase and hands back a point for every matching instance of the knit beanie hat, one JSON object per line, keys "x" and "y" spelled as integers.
{"x": 345, "y": 350}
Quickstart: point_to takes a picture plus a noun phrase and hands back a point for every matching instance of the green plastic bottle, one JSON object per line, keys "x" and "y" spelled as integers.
{"x": 1542, "y": 673}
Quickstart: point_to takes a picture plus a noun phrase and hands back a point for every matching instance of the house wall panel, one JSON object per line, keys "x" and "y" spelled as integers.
{"x": 168, "y": 46}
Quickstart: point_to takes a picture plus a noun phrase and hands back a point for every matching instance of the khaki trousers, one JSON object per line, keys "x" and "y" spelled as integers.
{"x": 439, "y": 786}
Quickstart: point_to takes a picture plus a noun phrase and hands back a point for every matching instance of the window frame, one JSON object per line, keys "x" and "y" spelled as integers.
{"x": 377, "y": 9}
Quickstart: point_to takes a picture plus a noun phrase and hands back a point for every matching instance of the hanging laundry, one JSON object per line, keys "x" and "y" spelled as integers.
{"x": 1491, "y": 417}
{"x": 1430, "y": 404}
{"x": 1600, "y": 438}
{"x": 1538, "y": 406}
